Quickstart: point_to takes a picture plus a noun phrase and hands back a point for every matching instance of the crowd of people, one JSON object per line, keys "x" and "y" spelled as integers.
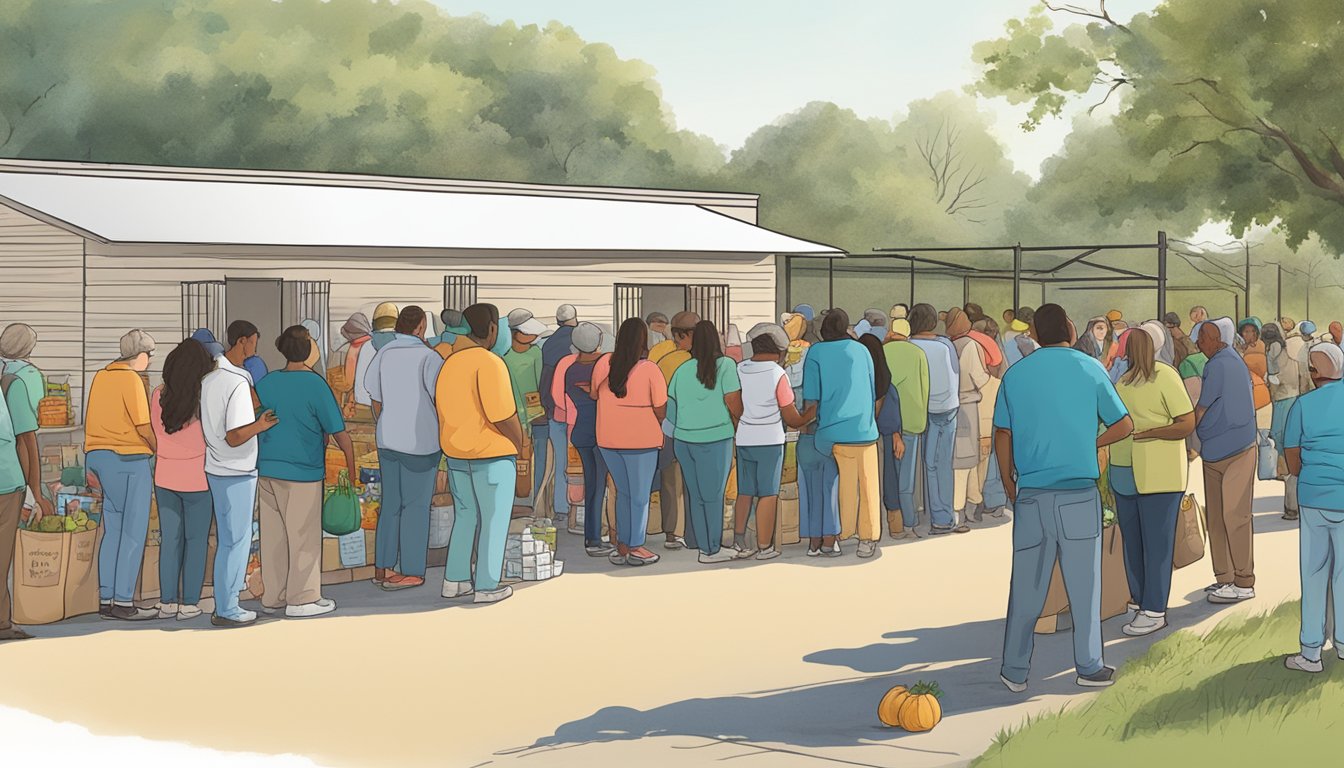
{"x": 948, "y": 411}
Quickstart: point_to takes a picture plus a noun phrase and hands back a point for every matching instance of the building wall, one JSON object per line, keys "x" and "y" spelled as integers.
{"x": 139, "y": 285}
{"x": 41, "y": 284}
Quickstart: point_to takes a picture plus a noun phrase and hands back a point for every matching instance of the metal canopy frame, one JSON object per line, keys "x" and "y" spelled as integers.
{"x": 921, "y": 264}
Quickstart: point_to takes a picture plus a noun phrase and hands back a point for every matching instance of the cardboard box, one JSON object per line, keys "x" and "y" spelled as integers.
{"x": 787, "y": 526}
{"x": 331, "y": 554}
{"x": 341, "y": 576}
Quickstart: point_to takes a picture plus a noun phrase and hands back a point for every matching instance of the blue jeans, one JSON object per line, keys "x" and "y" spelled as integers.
{"x": 235, "y": 498}
{"x": 632, "y": 472}
{"x": 940, "y": 442}
{"x": 818, "y": 488}
{"x": 665, "y": 486}
{"x": 1049, "y": 524}
{"x": 559, "y": 435}
{"x": 705, "y": 468}
{"x": 127, "y": 483}
{"x": 184, "y": 522}
{"x": 1321, "y": 544}
{"x": 898, "y": 478}
{"x": 403, "y": 520}
{"x": 483, "y": 502}
{"x": 594, "y": 492}
{"x": 995, "y": 497}
{"x": 1148, "y": 526}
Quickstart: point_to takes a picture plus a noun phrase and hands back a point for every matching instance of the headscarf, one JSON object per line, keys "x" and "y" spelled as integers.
{"x": 1271, "y": 334}
{"x": 1087, "y": 343}
{"x": 1336, "y": 357}
{"x": 900, "y": 327}
{"x": 993, "y": 353}
{"x": 881, "y": 372}
{"x": 1227, "y": 330}
{"x": 1162, "y": 343}
{"x": 958, "y": 324}
{"x": 356, "y": 327}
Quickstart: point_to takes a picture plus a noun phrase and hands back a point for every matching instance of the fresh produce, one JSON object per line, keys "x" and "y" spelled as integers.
{"x": 368, "y": 514}
{"x": 889, "y": 709}
{"x": 921, "y": 711}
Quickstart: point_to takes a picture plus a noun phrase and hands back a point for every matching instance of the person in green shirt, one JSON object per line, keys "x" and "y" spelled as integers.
{"x": 523, "y": 359}
{"x": 910, "y": 376}
{"x": 17, "y": 342}
{"x": 19, "y": 468}
{"x": 704, "y": 403}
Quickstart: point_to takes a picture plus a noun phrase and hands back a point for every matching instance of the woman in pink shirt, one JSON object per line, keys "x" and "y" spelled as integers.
{"x": 185, "y": 510}
{"x": 631, "y": 399}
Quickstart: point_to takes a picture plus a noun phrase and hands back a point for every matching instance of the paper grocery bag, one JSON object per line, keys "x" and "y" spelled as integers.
{"x": 655, "y": 524}
{"x": 1189, "y": 533}
{"x": 788, "y": 516}
{"x": 81, "y": 574}
{"x": 39, "y": 562}
{"x": 1114, "y": 576}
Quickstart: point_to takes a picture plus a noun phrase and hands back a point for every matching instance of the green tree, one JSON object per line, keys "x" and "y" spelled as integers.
{"x": 1227, "y": 110}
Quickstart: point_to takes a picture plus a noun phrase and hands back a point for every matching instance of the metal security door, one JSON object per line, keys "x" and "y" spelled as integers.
{"x": 203, "y": 307}
{"x": 459, "y": 291}
{"x": 628, "y": 303}
{"x": 310, "y": 300}
{"x": 710, "y": 302}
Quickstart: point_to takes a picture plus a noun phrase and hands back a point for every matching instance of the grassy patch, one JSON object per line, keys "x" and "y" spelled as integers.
{"x": 1220, "y": 699}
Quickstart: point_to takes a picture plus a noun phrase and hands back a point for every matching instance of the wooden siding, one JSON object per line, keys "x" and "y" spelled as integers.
{"x": 41, "y": 284}
{"x": 139, "y": 285}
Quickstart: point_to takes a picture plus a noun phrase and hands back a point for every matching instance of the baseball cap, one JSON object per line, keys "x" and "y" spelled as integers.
{"x": 385, "y": 316}
{"x": 208, "y": 340}
{"x": 587, "y": 337}
{"x": 772, "y": 330}
{"x": 565, "y": 313}
{"x": 134, "y": 343}
{"x": 1114, "y": 315}
{"x": 522, "y": 321}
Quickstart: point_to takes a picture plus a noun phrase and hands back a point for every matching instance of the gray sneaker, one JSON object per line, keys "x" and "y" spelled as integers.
{"x": 1014, "y": 687}
{"x": 1100, "y": 679}
{"x": 1300, "y": 663}
{"x": 600, "y": 549}
{"x": 494, "y": 595}
{"x": 867, "y": 548}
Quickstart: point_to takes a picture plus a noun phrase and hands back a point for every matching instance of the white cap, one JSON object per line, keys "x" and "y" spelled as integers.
{"x": 772, "y": 330}
{"x": 1336, "y": 357}
{"x": 565, "y": 313}
{"x": 522, "y": 321}
{"x": 587, "y": 338}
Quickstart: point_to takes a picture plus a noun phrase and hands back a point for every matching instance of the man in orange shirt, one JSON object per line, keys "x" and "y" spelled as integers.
{"x": 481, "y": 435}
{"x": 118, "y": 445}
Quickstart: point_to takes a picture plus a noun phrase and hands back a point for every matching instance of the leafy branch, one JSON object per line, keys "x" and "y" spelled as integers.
{"x": 1099, "y": 15}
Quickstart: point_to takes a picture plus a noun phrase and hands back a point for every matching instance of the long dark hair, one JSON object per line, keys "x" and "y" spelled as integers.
{"x": 881, "y": 371}
{"x": 183, "y": 370}
{"x": 706, "y": 349}
{"x": 632, "y": 345}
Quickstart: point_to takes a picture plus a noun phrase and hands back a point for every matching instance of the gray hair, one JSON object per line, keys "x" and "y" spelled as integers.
{"x": 875, "y": 317}
{"x": 17, "y": 341}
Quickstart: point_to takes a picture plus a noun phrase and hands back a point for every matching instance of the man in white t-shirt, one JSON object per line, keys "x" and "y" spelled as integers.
{"x": 231, "y": 426}
{"x": 768, "y": 406}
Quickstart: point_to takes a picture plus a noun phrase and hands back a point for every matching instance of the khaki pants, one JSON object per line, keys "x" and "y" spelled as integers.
{"x": 966, "y": 486}
{"x": 860, "y": 492}
{"x": 11, "y": 504}
{"x": 1229, "y": 487}
{"x": 291, "y": 542}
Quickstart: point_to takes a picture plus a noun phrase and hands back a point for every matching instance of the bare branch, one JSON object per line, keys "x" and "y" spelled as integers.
{"x": 12, "y": 125}
{"x": 1099, "y": 15}
{"x": 1115, "y": 86}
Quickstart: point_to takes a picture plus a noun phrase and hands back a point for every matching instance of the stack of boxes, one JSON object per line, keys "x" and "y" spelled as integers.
{"x": 530, "y": 555}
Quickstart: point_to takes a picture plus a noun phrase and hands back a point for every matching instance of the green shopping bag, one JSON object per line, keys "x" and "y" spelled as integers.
{"x": 340, "y": 507}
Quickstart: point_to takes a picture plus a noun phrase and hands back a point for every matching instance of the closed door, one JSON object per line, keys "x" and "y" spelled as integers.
{"x": 258, "y": 301}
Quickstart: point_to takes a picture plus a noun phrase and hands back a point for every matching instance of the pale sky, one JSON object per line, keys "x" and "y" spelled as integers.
{"x": 730, "y": 66}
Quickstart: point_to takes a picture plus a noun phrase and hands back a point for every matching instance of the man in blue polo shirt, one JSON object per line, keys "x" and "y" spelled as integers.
{"x": 1314, "y": 439}
{"x": 1045, "y": 437}
{"x": 1225, "y": 424}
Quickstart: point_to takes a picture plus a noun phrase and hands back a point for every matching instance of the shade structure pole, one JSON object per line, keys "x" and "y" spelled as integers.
{"x": 788, "y": 284}
{"x": 1017, "y": 276}
{"x": 1161, "y": 275}
{"x": 912, "y": 282}
{"x": 830, "y": 283}
{"x": 965, "y": 290}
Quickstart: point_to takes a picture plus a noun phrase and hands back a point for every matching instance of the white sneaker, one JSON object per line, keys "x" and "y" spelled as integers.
{"x": 867, "y": 548}
{"x": 188, "y": 612}
{"x": 767, "y": 554}
{"x": 743, "y": 553}
{"x": 1228, "y": 593}
{"x": 834, "y": 551}
{"x": 814, "y": 553}
{"x": 1014, "y": 687}
{"x": 494, "y": 595}
{"x": 308, "y": 610}
{"x": 1300, "y": 663}
{"x": 452, "y": 589}
{"x": 1131, "y": 607}
{"x": 167, "y": 610}
{"x": 1145, "y": 623}
{"x": 722, "y": 556}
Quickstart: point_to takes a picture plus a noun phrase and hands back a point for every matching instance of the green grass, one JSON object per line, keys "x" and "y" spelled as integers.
{"x": 1223, "y": 699}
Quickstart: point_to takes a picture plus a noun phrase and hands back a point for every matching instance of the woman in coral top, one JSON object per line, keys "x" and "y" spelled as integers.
{"x": 631, "y": 399}
{"x": 185, "y": 509}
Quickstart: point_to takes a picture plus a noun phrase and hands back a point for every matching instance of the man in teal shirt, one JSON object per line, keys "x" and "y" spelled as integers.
{"x": 19, "y": 467}
{"x": 291, "y": 464}
{"x": 524, "y": 363}
{"x": 1045, "y": 437}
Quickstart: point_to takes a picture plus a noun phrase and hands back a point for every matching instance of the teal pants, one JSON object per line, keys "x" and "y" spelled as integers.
{"x": 705, "y": 468}
{"x": 483, "y": 504}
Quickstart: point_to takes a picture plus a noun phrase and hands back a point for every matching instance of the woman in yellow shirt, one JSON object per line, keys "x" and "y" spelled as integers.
{"x": 1148, "y": 473}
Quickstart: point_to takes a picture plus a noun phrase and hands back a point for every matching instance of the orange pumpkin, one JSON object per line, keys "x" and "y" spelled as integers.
{"x": 921, "y": 711}
{"x": 889, "y": 710}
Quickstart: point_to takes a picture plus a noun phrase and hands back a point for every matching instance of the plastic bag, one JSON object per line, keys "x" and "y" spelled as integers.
{"x": 340, "y": 508}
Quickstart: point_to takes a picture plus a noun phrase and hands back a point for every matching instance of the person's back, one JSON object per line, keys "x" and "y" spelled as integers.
{"x": 295, "y": 448}
{"x": 554, "y": 348}
{"x": 402, "y": 379}
{"x": 761, "y": 423}
{"x": 699, "y": 413}
{"x": 910, "y": 375}
{"x": 1228, "y": 424}
{"x": 839, "y": 378}
{"x": 1316, "y": 427}
{"x": 944, "y": 380}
